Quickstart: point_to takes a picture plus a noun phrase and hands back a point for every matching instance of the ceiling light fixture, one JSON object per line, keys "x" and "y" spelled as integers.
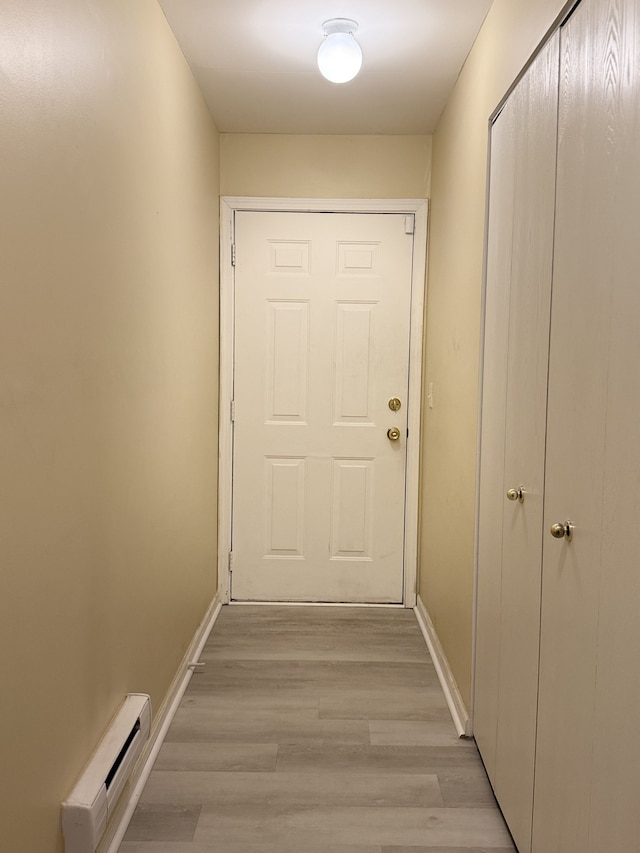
{"x": 340, "y": 56}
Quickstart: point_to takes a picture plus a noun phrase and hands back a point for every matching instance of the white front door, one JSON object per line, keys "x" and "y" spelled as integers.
{"x": 322, "y": 319}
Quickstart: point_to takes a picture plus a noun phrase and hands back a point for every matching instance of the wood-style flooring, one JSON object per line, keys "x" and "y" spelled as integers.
{"x": 316, "y": 730}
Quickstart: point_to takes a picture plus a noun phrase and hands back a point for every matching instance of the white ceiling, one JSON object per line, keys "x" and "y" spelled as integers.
{"x": 255, "y": 62}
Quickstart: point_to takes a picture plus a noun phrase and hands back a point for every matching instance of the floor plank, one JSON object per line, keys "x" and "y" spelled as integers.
{"x": 412, "y": 733}
{"x": 303, "y": 758}
{"x": 352, "y": 825}
{"x": 297, "y": 790}
{"x": 165, "y": 822}
{"x": 214, "y": 757}
{"x": 317, "y": 729}
{"x": 206, "y": 723}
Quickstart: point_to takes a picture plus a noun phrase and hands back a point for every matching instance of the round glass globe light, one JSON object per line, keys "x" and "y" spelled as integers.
{"x": 339, "y": 57}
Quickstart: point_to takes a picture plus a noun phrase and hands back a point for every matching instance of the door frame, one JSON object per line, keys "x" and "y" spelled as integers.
{"x": 228, "y": 207}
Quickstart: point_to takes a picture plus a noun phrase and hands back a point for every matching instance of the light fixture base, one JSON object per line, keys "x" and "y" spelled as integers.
{"x": 339, "y": 25}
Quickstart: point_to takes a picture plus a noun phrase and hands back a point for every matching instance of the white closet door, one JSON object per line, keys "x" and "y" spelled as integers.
{"x": 588, "y": 756}
{"x": 514, "y": 409}
{"x": 525, "y": 431}
{"x": 615, "y": 816}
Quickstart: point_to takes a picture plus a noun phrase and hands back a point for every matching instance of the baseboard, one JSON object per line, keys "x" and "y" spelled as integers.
{"x": 161, "y": 722}
{"x": 459, "y": 713}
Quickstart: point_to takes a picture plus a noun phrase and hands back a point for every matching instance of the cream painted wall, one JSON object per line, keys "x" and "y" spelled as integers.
{"x": 511, "y": 32}
{"x": 290, "y": 166}
{"x": 108, "y": 388}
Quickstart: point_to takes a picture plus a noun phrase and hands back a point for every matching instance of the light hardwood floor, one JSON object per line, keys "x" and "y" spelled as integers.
{"x": 316, "y": 730}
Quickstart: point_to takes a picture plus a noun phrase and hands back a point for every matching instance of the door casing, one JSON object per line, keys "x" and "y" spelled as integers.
{"x": 228, "y": 206}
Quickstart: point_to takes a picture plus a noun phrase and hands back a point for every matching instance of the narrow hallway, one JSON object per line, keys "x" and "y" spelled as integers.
{"x": 317, "y": 729}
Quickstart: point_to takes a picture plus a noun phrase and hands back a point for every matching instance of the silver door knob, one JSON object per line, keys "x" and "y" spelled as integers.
{"x": 516, "y": 494}
{"x": 393, "y": 433}
{"x": 562, "y": 531}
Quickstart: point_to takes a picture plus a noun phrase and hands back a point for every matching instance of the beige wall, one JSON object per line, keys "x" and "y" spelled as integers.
{"x": 108, "y": 386}
{"x": 290, "y": 166}
{"x": 511, "y": 32}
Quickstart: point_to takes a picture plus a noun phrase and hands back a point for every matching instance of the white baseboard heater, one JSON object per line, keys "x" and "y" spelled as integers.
{"x": 91, "y": 803}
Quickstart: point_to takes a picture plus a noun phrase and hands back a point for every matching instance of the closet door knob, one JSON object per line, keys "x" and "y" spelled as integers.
{"x": 562, "y": 531}
{"x": 516, "y": 494}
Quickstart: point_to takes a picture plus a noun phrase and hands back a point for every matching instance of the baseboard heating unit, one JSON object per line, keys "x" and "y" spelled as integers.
{"x": 91, "y": 803}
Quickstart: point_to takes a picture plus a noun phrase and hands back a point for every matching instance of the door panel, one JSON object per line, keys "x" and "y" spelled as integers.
{"x": 588, "y": 746}
{"x": 321, "y": 344}
{"x": 354, "y": 393}
{"x": 525, "y": 428}
{"x": 522, "y": 197}
{"x": 615, "y": 817}
{"x": 286, "y": 353}
{"x": 352, "y": 499}
{"x": 285, "y": 484}
{"x": 576, "y": 436}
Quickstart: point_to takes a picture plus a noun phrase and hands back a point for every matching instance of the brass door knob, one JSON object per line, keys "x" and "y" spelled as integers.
{"x": 393, "y": 433}
{"x": 516, "y": 494}
{"x": 562, "y": 531}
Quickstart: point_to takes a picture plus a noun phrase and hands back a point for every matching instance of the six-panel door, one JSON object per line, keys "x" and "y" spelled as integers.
{"x": 322, "y": 310}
